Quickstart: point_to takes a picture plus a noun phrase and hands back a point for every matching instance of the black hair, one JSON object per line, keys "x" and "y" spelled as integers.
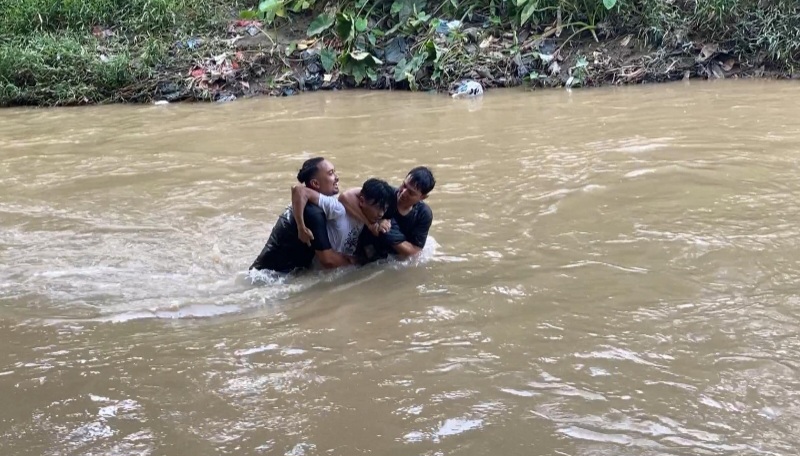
{"x": 309, "y": 170}
{"x": 422, "y": 179}
{"x": 377, "y": 193}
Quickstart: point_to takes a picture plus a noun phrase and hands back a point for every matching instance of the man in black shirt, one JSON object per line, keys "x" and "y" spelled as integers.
{"x": 410, "y": 217}
{"x": 284, "y": 252}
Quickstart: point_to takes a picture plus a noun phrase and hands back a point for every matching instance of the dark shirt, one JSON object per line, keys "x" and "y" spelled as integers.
{"x": 412, "y": 227}
{"x": 284, "y": 252}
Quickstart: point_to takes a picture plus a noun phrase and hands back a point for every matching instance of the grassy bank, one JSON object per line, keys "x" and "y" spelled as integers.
{"x": 76, "y": 51}
{"x": 64, "y": 52}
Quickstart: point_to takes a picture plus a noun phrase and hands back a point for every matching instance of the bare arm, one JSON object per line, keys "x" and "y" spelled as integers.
{"x": 406, "y": 249}
{"x": 330, "y": 259}
{"x": 416, "y": 235}
{"x": 349, "y": 200}
{"x": 301, "y": 195}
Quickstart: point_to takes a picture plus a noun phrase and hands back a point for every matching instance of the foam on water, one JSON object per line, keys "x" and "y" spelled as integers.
{"x": 246, "y": 290}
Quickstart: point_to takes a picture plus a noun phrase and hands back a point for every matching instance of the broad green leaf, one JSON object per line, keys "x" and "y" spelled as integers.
{"x": 417, "y": 61}
{"x": 248, "y": 14}
{"x": 609, "y": 3}
{"x": 269, "y": 5}
{"x": 404, "y": 9}
{"x": 361, "y": 24}
{"x": 320, "y": 24}
{"x": 371, "y": 38}
{"x": 400, "y": 70}
{"x": 359, "y": 55}
{"x": 431, "y": 50}
{"x": 359, "y": 71}
{"x": 527, "y": 12}
{"x": 365, "y": 57}
{"x": 328, "y": 59}
{"x": 397, "y": 6}
{"x": 344, "y": 27}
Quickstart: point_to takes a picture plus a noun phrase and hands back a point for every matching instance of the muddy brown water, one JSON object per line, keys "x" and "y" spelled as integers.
{"x": 611, "y": 272}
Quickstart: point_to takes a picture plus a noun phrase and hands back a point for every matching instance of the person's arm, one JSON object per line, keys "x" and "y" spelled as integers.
{"x": 349, "y": 200}
{"x": 406, "y": 249}
{"x": 415, "y": 241}
{"x": 302, "y": 195}
{"x": 317, "y": 225}
{"x": 331, "y": 259}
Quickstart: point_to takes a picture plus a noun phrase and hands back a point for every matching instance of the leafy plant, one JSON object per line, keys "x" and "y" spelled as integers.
{"x": 269, "y": 10}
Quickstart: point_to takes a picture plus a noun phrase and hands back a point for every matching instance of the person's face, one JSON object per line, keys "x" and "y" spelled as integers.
{"x": 372, "y": 212}
{"x": 408, "y": 195}
{"x": 326, "y": 180}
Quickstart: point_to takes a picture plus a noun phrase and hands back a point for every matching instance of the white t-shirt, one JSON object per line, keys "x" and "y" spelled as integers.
{"x": 343, "y": 229}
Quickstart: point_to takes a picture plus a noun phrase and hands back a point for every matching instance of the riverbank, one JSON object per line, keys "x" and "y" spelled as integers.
{"x": 72, "y": 53}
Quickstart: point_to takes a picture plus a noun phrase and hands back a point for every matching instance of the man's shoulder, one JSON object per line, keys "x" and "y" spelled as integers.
{"x": 422, "y": 210}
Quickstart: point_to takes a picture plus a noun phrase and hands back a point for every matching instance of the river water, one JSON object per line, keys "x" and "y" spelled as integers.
{"x": 611, "y": 272}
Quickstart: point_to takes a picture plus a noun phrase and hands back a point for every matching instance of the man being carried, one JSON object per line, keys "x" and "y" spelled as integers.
{"x": 284, "y": 252}
{"x": 344, "y": 228}
{"x": 411, "y": 220}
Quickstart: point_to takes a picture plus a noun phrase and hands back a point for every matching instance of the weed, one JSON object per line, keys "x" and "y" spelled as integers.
{"x": 61, "y": 52}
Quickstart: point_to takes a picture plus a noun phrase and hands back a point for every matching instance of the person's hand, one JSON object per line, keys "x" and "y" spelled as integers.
{"x": 375, "y": 229}
{"x": 305, "y": 235}
{"x": 381, "y": 227}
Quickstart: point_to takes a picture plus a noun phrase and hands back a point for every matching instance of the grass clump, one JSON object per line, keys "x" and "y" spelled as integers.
{"x": 65, "y": 52}
{"x": 766, "y": 31}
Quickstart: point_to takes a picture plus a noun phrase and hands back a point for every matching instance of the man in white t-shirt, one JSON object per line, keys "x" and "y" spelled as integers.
{"x": 344, "y": 228}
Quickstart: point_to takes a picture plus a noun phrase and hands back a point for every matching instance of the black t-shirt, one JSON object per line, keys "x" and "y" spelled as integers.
{"x": 412, "y": 227}
{"x": 284, "y": 252}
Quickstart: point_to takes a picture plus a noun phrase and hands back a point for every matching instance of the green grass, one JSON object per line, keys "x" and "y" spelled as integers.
{"x": 67, "y": 68}
{"x": 744, "y": 27}
{"x": 149, "y": 17}
{"x": 49, "y": 55}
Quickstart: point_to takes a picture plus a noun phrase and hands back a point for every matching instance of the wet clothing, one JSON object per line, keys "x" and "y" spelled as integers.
{"x": 343, "y": 229}
{"x": 412, "y": 227}
{"x": 284, "y": 252}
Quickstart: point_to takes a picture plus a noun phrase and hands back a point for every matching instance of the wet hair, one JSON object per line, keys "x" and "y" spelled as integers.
{"x": 377, "y": 193}
{"x": 422, "y": 178}
{"x": 309, "y": 170}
